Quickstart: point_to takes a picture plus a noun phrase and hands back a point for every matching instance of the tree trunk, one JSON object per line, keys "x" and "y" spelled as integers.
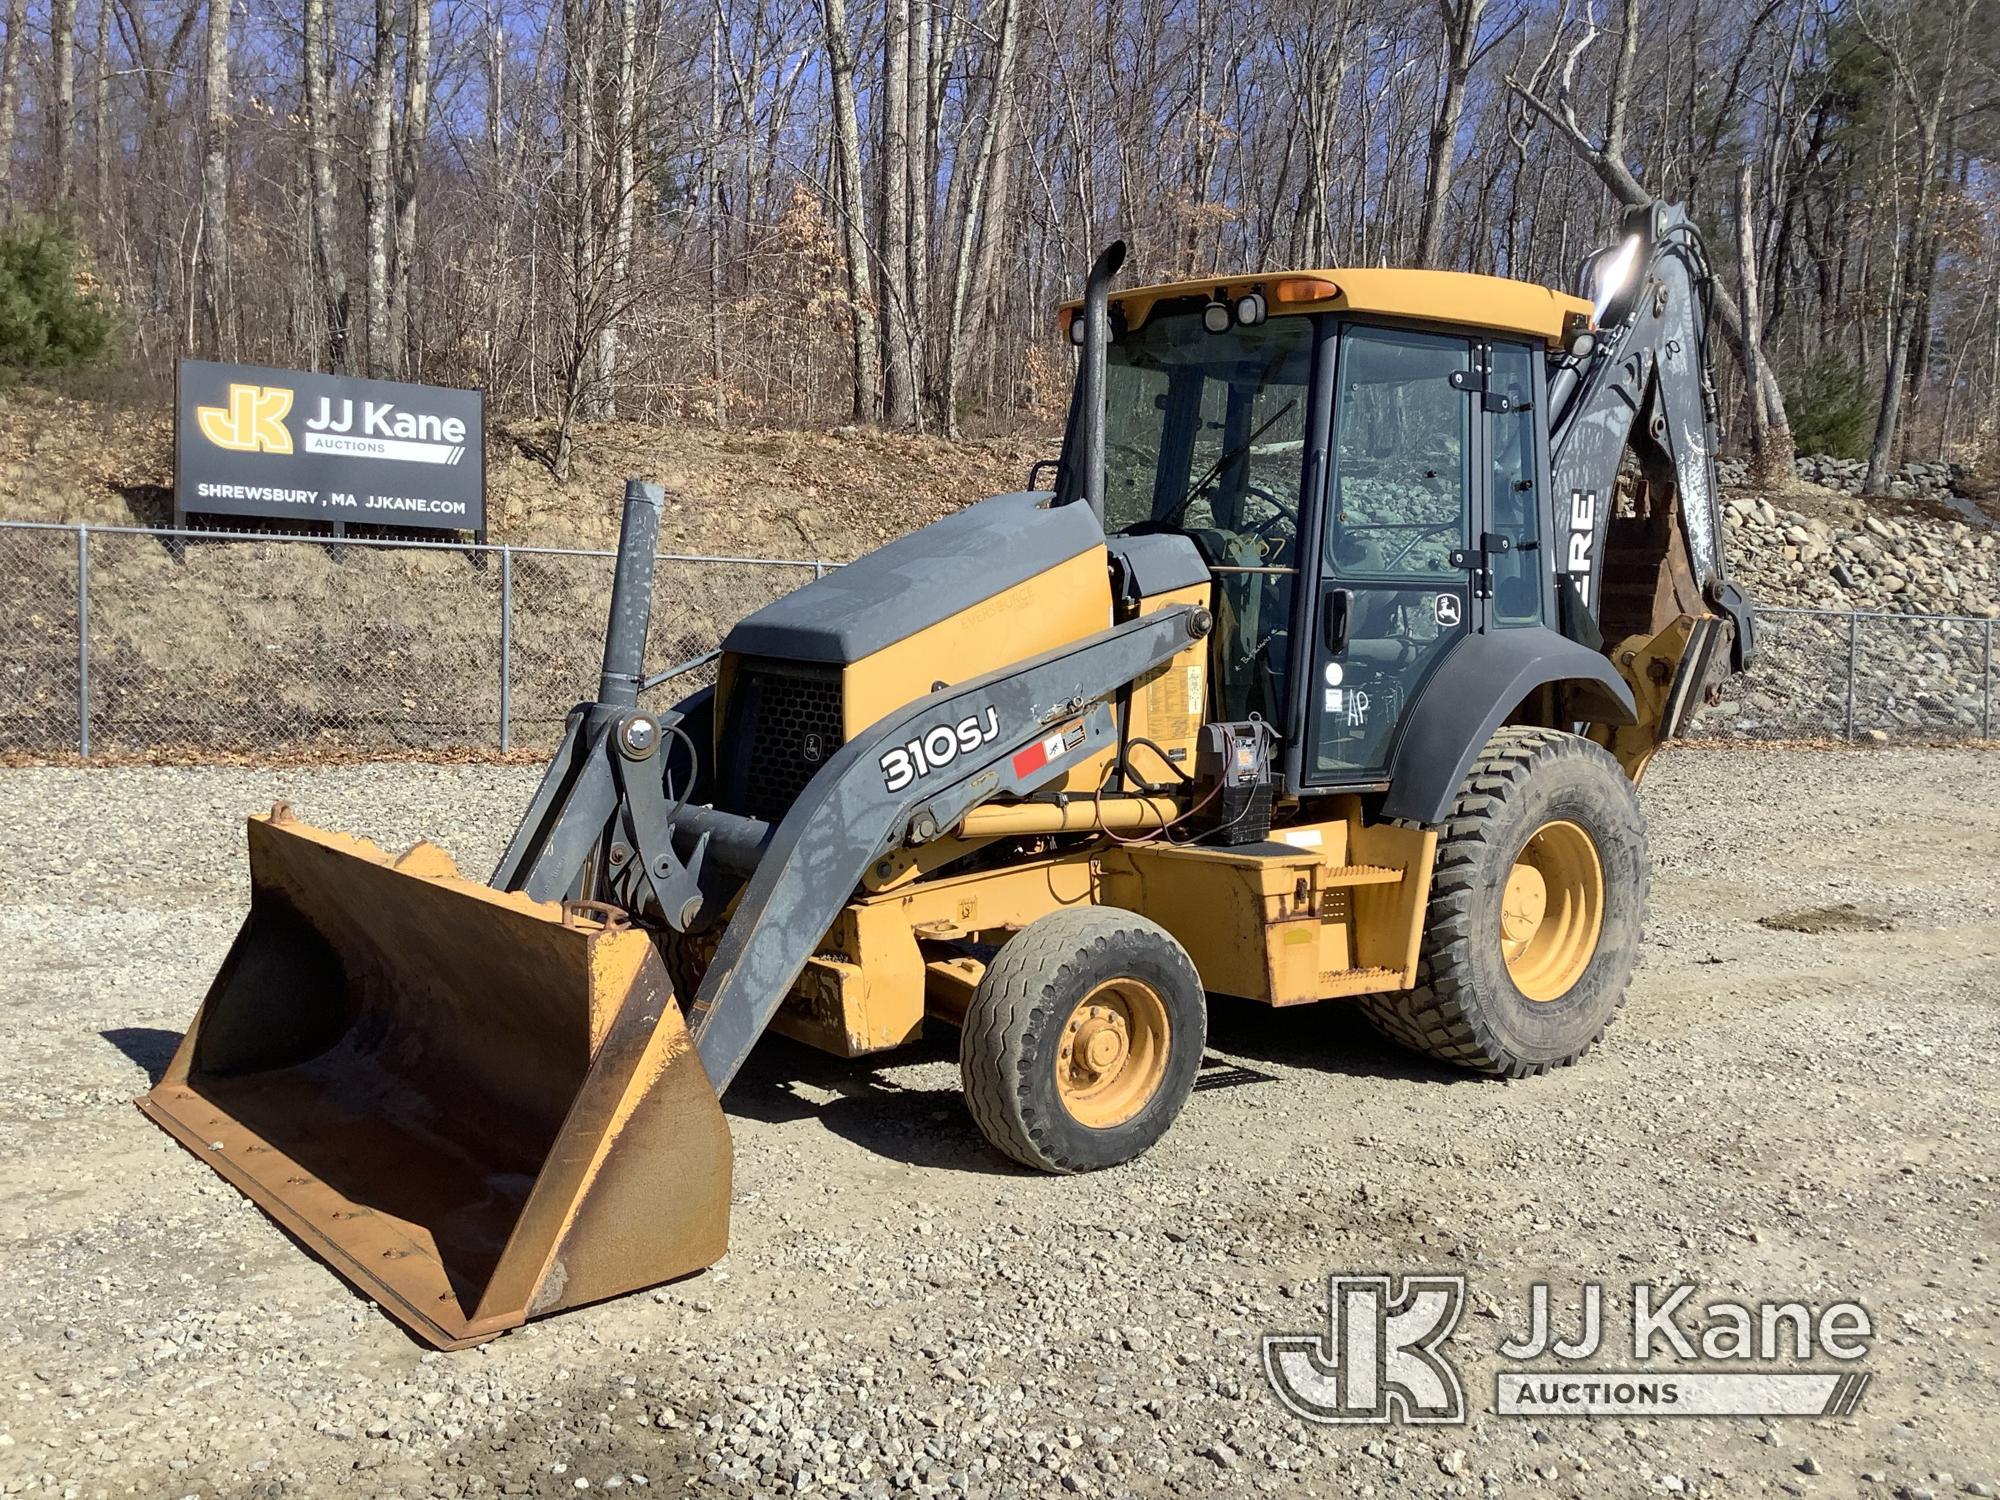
{"x": 378, "y": 195}
{"x": 217, "y": 314}
{"x": 1461, "y": 34}
{"x": 987, "y": 288}
{"x": 898, "y": 394}
{"x": 1925, "y": 100}
{"x": 1909, "y": 306}
{"x": 10, "y": 70}
{"x": 500, "y": 182}
{"x": 854, "y": 228}
{"x": 625, "y": 117}
{"x": 329, "y": 272}
{"x": 100, "y": 114}
{"x": 718, "y": 42}
{"x": 921, "y": 186}
{"x": 62, "y": 101}
{"x": 1770, "y": 444}
{"x": 585, "y": 247}
{"x": 409, "y": 162}
{"x": 980, "y": 216}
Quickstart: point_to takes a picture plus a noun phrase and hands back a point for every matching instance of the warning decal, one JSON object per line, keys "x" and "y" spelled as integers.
{"x": 1048, "y": 748}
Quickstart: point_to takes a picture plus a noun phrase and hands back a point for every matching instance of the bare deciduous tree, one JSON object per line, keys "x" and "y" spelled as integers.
{"x": 218, "y": 316}
{"x": 378, "y": 192}
{"x": 15, "y": 19}
{"x": 854, "y": 236}
{"x": 1460, "y": 22}
{"x": 61, "y": 144}
{"x": 328, "y": 266}
{"x": 411, "y": 134}
{"x": 773, "y": 211}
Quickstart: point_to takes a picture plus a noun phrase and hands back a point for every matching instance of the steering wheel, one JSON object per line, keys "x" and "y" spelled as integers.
{"x": 1132, "y": 450}
{"x": 1272, "y": 548}
{"x": 1271, "y": 498}
{"x": 1412, "y": 544}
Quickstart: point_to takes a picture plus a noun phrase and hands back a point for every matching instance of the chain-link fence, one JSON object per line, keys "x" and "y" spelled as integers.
{"x": 127, "y": 641}
{"x": 1851, "y": 675}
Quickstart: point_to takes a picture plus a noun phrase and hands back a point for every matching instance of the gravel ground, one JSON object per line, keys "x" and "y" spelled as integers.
{"x": 1780, "y": 1112}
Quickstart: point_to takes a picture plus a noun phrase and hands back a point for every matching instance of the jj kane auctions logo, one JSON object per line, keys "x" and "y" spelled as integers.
{"x": 1381, "y": 1356}
{"x": 253, "y": 421}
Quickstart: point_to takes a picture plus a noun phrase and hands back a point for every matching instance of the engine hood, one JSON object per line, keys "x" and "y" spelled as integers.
{"x": 919, "y": 580}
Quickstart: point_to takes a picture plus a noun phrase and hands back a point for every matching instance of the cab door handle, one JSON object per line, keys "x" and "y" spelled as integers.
{"x": 1336, "y": 617}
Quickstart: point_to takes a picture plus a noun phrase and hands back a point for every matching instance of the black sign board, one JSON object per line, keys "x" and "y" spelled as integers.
{"x": 327, "y": 449}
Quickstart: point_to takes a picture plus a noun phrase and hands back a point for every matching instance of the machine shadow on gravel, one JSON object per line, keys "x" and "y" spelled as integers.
{"x": 875, "y": 1109}
{"x": 1330, "y": 1037}
{"x": 151, "y": 1047}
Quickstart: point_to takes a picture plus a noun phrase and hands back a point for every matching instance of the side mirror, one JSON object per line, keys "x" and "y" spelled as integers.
{"x": 1335, "y": 618}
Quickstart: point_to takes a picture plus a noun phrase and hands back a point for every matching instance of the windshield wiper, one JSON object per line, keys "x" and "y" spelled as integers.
{"x": 1242, "y": 448}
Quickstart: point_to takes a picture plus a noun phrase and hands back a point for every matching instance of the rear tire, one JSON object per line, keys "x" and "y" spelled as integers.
{"x": 1082, "y": 1040}
{"x": 1537, "y": 906}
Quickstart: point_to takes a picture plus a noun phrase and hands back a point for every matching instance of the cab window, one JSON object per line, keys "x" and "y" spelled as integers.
{"x": 1400, "y": 449}
{"x": 1515, "y": 496}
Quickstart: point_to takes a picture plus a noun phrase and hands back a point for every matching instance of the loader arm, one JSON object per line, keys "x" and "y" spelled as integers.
{"x": 858, "y": 808}
{"x": 600, "y": 828}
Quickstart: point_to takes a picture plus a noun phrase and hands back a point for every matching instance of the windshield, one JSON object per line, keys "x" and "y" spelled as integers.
{"x": 1205, "y": 432}
{"x": 1205, "y": 435}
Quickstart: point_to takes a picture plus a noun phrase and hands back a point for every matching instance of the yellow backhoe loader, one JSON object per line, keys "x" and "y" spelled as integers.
{"x": 1324, "y": 666}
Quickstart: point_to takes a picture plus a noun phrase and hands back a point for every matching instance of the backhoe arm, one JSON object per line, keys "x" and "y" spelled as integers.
{"x": 1646, "y": 369}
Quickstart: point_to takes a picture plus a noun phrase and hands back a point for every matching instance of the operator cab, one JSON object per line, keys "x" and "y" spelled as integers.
{"x": 1366, "y": 489}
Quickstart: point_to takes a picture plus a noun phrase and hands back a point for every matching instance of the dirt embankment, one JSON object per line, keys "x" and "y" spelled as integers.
{"x": 760, "y": 492}
{"x": 287, "y": 647}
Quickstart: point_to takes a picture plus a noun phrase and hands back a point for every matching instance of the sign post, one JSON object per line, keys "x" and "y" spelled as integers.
{"x": 328, "y": 450}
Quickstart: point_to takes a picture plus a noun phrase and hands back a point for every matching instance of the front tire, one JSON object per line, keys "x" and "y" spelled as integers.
{"x": 1082, "y": 1040}
{"x": 1537, "y": 906}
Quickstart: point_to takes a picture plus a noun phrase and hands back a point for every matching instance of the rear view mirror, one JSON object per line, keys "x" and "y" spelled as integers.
{"x": 1610, "y": 275}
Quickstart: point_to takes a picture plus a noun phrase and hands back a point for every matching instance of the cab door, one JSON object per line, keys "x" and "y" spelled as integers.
{"x": 1397, "y": 562}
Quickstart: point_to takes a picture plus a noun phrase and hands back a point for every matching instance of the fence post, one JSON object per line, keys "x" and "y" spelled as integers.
{"x": 83, "y": 641}
{"x": 506, "y": 644}
{"x": 1986, "y": 683}
{"x": 819, "y": 569}
{"x": 1853, "y": 651}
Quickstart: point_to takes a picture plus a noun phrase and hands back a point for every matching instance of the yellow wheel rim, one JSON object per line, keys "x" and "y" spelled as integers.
{"x": 1113, "y": 1053}
{"x": 1552, "y": 911}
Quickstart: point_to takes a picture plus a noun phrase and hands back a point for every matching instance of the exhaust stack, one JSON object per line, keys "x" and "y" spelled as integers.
{"x": 1090, "y": 378}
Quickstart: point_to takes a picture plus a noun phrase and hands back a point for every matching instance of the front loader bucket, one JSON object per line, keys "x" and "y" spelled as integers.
{"x": 475, "y": 1109}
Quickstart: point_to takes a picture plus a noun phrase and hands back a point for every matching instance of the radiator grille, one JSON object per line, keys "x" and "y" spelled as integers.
{"x": 786, "y": 722}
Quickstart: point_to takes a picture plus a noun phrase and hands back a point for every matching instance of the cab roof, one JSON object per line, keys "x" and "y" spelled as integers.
{"x": 1457, "y": 299}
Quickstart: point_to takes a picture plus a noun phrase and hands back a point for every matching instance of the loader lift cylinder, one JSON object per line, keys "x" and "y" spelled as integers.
{"x": 631, "y": 596}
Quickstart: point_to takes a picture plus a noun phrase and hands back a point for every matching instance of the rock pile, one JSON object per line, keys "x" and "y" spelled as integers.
{"x": 1911, "y": 482}
{"x": 1857, "y": 559}
{"x": 1911, "y": 678}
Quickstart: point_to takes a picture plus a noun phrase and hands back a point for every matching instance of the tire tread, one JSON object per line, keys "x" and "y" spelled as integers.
{"x": 1440, "y": 1016}
{"x": 1019, "y": 994}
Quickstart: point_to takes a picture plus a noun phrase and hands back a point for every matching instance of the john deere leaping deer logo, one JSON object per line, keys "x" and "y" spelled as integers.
{"x": 252, "y": 422}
